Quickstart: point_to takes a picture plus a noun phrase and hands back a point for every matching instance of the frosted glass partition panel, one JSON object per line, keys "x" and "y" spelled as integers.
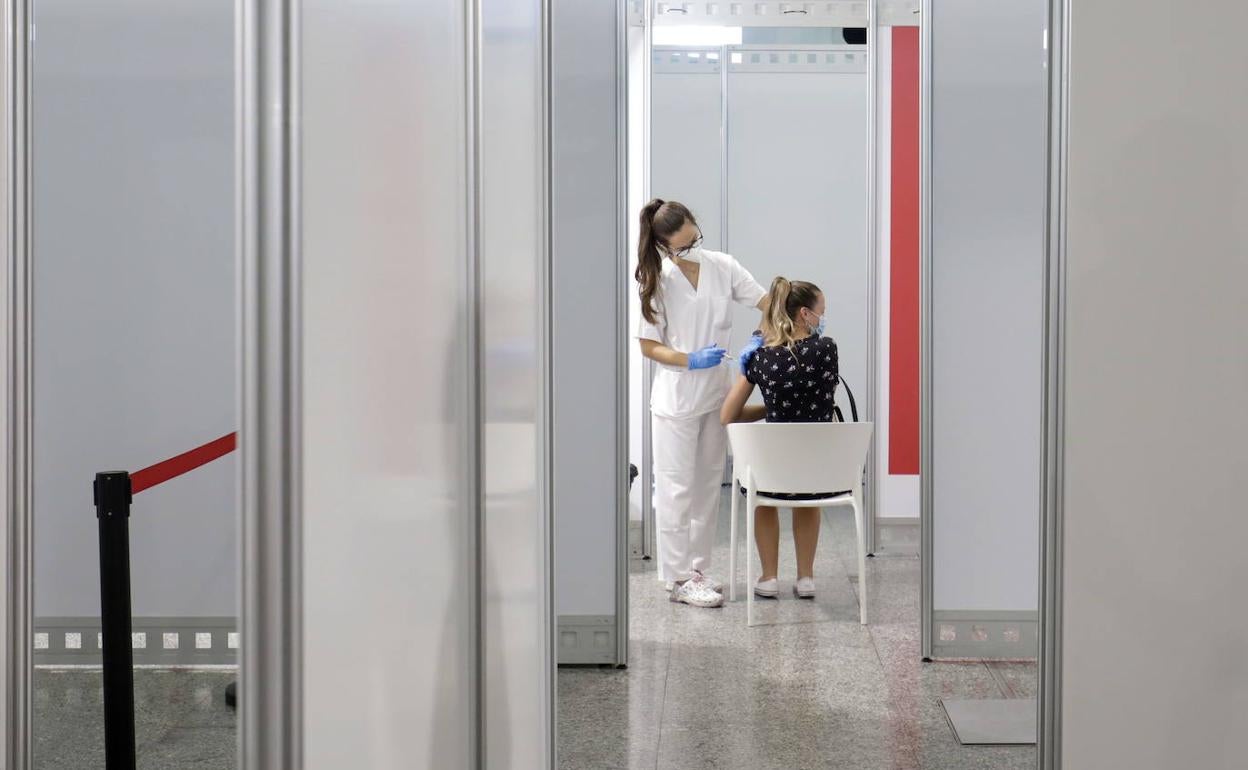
{"x": 987, "y": 188}
{"x": 414, "y": 499}
{"x": 797, "y": 183}
{"x": 685, "y": 125}
{"x": 133, "y": 308}
{"x": 389, "y": 509}
{"x": 515, "y": 590}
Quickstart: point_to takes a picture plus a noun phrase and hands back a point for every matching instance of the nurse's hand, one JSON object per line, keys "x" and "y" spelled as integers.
{"x": 747, "y": 352}
{"x": 707, "y": 357}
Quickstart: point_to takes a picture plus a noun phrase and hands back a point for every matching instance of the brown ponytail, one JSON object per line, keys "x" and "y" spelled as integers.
{"x": 784, "y": 300}
{"x": 660, "y": 220}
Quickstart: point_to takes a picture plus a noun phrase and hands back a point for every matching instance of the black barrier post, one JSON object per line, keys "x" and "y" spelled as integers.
{"x": 112, "y": 508}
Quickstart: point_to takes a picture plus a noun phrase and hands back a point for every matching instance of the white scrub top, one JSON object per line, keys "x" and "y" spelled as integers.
{"x": 689, "y": 319}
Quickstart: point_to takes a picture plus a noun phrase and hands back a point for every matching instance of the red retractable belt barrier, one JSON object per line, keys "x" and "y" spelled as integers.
{"x": 182, "y": 464}
{"x": 114, "y": 491}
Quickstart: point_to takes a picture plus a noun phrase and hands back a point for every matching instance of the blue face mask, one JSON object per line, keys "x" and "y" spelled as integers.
{"x": 817, "y": 329}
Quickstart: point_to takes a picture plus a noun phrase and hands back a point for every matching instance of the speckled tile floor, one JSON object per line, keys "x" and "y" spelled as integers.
{"x": 811, "y": 689}
{"x": 181, "y": 720}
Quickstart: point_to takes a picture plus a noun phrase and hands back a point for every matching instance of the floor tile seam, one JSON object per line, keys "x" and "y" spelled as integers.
{"x": 1002, "y": 683}
{"x": 667, "y": 673}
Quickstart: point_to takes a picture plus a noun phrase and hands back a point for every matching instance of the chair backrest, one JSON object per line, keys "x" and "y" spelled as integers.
{"x": 792, "y": 457}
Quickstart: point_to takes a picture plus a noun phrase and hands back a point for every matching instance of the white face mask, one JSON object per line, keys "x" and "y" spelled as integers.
{"x": 694, "y": 254}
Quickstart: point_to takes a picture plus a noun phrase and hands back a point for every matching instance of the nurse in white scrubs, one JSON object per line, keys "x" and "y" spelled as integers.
{"x": 686, "y": 307}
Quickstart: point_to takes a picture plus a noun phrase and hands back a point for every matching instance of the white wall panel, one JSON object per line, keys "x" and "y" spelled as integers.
{"x": 134, "y": 276}
{"x": 388, "y": 551}
{"x": 988, "y": 123}
{"x": 587, "y": 274}
{"x": 797, "y": 203}
{"x": 685, "y": 165}
{"x": 1154, "y": 633}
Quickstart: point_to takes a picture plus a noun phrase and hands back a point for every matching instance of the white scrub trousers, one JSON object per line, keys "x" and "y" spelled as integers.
{"x": 689, "y": 457}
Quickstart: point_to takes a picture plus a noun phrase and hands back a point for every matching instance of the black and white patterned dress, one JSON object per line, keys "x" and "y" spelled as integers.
{"x": 798, "y": 384}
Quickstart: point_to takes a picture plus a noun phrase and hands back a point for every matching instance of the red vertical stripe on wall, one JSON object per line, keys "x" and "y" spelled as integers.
{"x": 903, "y": 387}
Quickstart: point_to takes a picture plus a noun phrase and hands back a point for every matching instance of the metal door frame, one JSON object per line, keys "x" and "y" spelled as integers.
{"x": 872, "y": 258}
{"x": 1052, "y": 511}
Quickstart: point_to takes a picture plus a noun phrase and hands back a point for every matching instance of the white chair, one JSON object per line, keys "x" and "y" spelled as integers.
{"x": 793, "y": 458}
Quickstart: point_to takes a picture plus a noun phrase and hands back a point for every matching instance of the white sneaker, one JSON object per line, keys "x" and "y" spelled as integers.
{"x": 804, "y": 588}
{"x": 697, "y": 593}
{"x": 767, "y": 589}
{"x": 715, "y": 585}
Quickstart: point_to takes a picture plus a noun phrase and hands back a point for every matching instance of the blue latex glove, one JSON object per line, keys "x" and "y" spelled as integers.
{"x": 747, "y": 352}
{"x": 707, "y": 357}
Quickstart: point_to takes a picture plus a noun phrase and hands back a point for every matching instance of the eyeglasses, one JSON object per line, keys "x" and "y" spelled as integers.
{"x": 683, "y": 252}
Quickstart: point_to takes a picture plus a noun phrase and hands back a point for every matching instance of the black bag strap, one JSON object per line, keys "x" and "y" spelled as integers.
{"x": 853, "y": 404}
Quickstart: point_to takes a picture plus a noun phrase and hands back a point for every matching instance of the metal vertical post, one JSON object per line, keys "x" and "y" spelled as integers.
{"x": 926, "y": 487}
{"x": 112, "y": 508}
{"x": 546, "y": 379}
{"x": 269, "y": 228}
{"x": 873, "y": 282}
{"x": 18, "y": 559}
{"x": 648, "y": 536}
{"x": 622, "y": 481}
{"x": 1052, "y": 509}
{"x": 475, "y": 333}
{"x": 725, "y": 58}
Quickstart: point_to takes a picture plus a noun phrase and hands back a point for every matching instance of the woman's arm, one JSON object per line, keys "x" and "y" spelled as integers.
{"x": 656, "y": 351}
{"x": 735, "y": 409}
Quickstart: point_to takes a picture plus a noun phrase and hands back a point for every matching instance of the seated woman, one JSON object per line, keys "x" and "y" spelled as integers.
{"x": 797, "y": 370}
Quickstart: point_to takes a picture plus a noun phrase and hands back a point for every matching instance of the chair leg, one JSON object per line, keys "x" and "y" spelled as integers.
{"x": 751, "y": 504}
{"x": 732, "y": 553}
{"x": 859, "y": 525}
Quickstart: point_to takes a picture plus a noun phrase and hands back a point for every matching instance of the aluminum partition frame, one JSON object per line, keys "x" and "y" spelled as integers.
{"x": 475, "y": 337}
{"x": 1049, "y": 718}
{"x": 1054, "y": 292}
{"x": 268, "y": 131}
{"x": 1052, "y": 477}
{"x": 649, "y": 537}
{"x": 872, "y": 262}
{"x": 873, "y": 277}
{"x": 622, "y": 341}
{"x": 723, "y": 149}
{"x": 546, "y": 401}
{"x": 17, "y": 559}
{"x": 926, "y": 603}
